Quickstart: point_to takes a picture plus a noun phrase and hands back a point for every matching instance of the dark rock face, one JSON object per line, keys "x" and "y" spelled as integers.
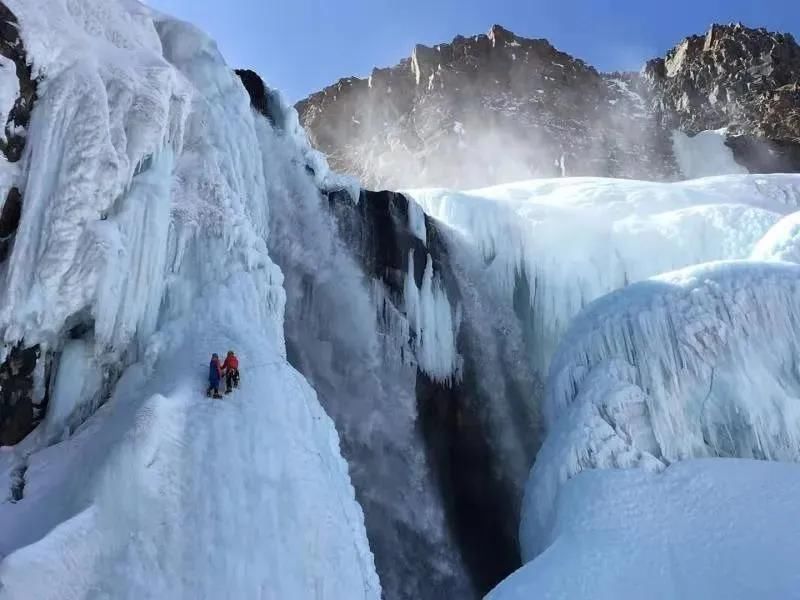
{"x": 760, "y": 155}
{"x": 262, "y": 98}
{"x": 481, "y": 505}
{"x": 20, "y": 409}
{"x": 735, "y": 77}
{"x": 499, "y": 107}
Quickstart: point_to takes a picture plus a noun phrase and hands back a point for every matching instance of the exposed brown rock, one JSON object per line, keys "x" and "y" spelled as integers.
{"x": 20, "y": 409}
{"x": 497, "y": 107}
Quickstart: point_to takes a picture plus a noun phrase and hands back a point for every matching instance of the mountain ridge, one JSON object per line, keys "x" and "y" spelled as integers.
{"x": 448, "y": 112}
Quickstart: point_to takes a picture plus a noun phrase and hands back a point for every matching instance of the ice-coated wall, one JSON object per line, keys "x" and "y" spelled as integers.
{"x": 142, "y": 247}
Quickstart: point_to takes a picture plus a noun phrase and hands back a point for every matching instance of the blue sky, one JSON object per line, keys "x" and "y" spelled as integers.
{"x": 300, "y": 46}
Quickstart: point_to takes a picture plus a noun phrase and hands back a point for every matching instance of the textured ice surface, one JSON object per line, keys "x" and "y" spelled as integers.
{"x": 696, "y": 363}
{"x": 704, "y": 154}
{"x": 576, "y": 239}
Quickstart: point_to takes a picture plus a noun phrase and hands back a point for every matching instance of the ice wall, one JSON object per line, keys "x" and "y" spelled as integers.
{"x": 565, "y": 242}
{"x": 691, "y": 364}
{"x": 147, "y": 185}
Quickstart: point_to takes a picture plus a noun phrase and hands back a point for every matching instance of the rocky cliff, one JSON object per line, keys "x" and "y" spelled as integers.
{"x": 21, "y": 405}
{"x": 498, "y": 107}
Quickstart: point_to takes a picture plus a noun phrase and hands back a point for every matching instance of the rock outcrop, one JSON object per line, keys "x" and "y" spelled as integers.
{"x": 497, "y": 107}
{"x": 743, "y": 79}
{"x": 21, "y": 406}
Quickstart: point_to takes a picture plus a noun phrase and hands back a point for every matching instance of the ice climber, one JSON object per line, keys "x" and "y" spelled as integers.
{"x": 231, "y": 369}
{"x": 214, "y": 376}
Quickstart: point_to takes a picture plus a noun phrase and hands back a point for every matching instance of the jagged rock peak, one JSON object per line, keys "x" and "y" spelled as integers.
{"x": 496, "y": 107}
{"x": 733, "y": 76}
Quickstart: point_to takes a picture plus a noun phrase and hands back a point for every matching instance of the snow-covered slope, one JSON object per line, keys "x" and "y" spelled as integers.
{"x": 144, "y": 236}
{"x": 164, "y": 494}
{"x": 702, "y": 529}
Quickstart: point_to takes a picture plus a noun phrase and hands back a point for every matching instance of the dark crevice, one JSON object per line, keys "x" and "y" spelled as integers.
{"x": 18, "y": 481}
{"x": 20, "y": 409}
{"x": 10, "y": 214}
{"x": 482, "y": 509}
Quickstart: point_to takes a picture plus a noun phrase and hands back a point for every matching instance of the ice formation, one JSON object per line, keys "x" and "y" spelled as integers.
{"x": 163, "y": 218}
{"x": 781, "y": 242}
{"x": 432, "y": 323}
{"x": 147, "y": 186}
{"x": 691, "y": 364}
{"x": 704, "y": 154}
{"x": 577, "y": 239}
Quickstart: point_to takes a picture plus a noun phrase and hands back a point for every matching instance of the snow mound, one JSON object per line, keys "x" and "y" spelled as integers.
{"x": 781, "y": 242}
{"x": 713, "y": 529}
{"x": 696, "y": 363}
{"x": 704, "y": 154}
{"x": 575, "y": 239}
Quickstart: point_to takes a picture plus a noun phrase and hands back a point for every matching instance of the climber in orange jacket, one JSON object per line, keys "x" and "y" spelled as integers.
{"x": 230, "y": 368}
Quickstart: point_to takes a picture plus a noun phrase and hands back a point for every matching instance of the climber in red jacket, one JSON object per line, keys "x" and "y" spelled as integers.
{"x": 231, "y": 370}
